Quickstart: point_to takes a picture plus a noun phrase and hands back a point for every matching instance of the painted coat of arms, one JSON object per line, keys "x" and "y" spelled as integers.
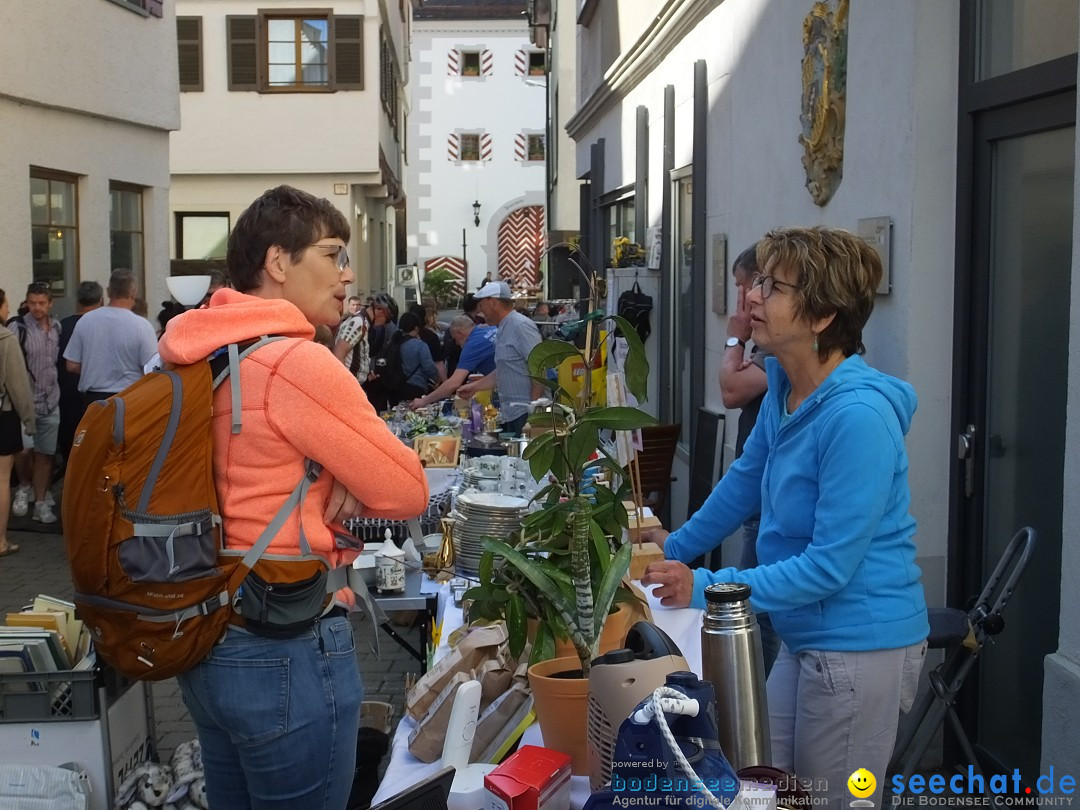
{"x": 824, "y": 79}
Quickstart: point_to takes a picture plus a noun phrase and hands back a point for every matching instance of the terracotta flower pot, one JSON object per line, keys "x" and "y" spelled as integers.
{"x": 562, "y": 708}
{"x": 613, "y": 637}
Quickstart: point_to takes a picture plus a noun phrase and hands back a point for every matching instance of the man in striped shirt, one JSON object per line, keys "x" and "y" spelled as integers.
{"x": 39, "y": 336}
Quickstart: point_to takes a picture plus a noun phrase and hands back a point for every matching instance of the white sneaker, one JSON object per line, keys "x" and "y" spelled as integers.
{"x": 49, "y": 499}
{"x": 20, "y": 504}
{"x": 43, "y": 513}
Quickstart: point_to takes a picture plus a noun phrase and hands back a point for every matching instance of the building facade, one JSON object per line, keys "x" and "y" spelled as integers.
{"x": 304, "y": 93}
{"x": 478, "y": 143}
{"x": 945, "y": 134}
{"x": 84, "y": 167}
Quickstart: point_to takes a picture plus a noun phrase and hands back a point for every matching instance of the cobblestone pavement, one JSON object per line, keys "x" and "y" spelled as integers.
{"x": 40, "y": 566}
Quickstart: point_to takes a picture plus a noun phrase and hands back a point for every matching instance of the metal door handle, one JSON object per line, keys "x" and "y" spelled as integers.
{"x": 965, "y": 451}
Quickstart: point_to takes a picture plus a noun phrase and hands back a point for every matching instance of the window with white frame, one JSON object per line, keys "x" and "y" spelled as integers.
{"x": 292, "y": 52}
{"x": 201, "y": 235}
{"x": 470, "y": 63}
{"x": 534, "y": 147}
{"x": 469, "y": 146}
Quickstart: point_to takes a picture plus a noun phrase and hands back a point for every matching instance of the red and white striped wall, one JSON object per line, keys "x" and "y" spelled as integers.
{"x": 521, "y": 245}
{"x": 456, "y": 267}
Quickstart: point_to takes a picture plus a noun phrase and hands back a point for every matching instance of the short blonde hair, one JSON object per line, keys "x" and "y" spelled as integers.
{"x": 837, "y": 273}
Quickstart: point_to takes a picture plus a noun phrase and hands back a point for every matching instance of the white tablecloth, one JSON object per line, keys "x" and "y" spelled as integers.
{"x": 404, "y": 770}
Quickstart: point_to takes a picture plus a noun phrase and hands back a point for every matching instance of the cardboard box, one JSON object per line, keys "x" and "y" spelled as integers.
{"x": 533, "y": 778}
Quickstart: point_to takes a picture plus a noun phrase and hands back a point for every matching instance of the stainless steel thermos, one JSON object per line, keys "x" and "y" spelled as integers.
{"x": 731, "y": 659}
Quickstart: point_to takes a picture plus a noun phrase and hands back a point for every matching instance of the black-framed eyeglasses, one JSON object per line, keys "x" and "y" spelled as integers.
{"x": 340, "y": 254}
{"x": 767, "y": 283}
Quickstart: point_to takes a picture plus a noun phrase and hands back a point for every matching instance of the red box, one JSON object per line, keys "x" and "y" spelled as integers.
{"x": 533, "y": 778}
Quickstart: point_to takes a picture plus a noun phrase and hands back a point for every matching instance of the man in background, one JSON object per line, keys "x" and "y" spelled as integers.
{"x": 516, "y": 337}
{"x": 39, "y": 336}
{"x": 477, "y": 345}
{"x": 88, "y": 296}
{"x": 110, "y": 345}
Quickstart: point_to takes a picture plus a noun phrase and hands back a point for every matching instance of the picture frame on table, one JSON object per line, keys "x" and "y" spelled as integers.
{"x": 438, "y": 451}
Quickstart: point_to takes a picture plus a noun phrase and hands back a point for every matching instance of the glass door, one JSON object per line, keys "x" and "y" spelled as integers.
{"x": 1015, "y": 409}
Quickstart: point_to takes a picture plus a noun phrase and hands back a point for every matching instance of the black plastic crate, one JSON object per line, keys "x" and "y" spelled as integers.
{"x": 49, "y": 696}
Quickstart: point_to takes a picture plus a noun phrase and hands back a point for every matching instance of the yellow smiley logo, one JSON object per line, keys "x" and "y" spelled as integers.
{"x": 861, "y": 783}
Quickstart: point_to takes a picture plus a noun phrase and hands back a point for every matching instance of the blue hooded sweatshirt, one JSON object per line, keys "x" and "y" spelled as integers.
{"x": 836, "y": 560}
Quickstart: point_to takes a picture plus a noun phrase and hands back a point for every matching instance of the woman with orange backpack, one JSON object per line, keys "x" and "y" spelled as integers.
{"x": 277, "y": 707}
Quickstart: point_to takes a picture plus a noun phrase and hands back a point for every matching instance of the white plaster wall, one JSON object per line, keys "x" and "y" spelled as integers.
{"x": 1061, "y": 688}
{"x": 502, "y": 104}
{"x": 232, "y": 194}
{"x": 97, "y": 150}
{"x": 565, "y": 202}
{"x": 59, "y": 54}
{"x": 899, "y": 162}
{"x": 226, "y": 132}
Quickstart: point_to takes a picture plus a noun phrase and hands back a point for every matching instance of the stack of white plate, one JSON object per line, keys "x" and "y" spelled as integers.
{"x": 481, "y": 515}
{"x": 483, "y": 480}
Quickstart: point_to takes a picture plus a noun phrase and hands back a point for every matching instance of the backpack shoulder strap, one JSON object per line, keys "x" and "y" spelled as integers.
{"x": 226, "y": 363}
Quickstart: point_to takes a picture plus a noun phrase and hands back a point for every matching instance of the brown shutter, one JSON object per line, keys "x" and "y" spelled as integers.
{"x": 242, "y": 34}
{"x": 348, "y": 52}
{"x": 189, "y": 50}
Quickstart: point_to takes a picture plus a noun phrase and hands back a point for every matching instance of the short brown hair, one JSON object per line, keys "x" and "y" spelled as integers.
{"x": 122, "y": 284}
{"x": 838, "y": 274}
{"x": 284, "y": 216}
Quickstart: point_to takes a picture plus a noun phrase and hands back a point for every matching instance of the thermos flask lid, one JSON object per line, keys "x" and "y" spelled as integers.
{"x": 727, "y": 592}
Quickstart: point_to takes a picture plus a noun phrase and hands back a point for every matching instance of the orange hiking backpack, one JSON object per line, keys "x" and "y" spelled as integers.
{"x": 153, "y": 581}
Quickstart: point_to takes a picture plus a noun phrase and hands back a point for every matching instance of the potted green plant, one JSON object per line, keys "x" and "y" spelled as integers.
{"x": 564, "y": 569}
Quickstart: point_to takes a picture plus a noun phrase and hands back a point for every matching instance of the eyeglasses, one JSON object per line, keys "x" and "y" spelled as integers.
{"x": 766, "y": 283}
{"x": 341, "y": 256}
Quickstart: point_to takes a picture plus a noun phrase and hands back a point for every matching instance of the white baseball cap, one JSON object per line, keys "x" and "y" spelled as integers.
{"x": 495, "y": 289}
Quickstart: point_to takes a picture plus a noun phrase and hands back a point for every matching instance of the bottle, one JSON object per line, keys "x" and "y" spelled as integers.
{"x": 731, "y": 659}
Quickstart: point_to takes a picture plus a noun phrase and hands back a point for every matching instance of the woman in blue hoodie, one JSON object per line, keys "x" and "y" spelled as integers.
{"x": 826, "y": 467}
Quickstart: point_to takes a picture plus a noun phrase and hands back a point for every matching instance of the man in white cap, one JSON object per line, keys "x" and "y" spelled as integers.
{"x": 516, "y": 337}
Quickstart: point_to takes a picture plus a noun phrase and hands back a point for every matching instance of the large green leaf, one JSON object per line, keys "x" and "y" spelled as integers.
{"x": 537, "y": 444}
{"x": 549, "y": 353}
{"x": 618, "y": 417}
{"x": 620, "y": 564}
{"x": 543, "y": 647}
{"x": 487, "y": 565}
{"x": 600, "y": 545}
{"x": 540, "y": 462}
{"x": 636, "y": 368}
{"x": 582, "y": 444}
{"x": 517, "y": 627}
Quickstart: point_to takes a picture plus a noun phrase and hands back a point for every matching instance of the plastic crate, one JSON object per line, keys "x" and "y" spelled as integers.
{"x": 49, "y": 696}
{"x": 102, "y": 722}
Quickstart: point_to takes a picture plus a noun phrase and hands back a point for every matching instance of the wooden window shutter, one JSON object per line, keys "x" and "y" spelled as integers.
{"x": 348, "y": 52}
{"x": 189, "y": 51}
{"x": 242, "y": 35}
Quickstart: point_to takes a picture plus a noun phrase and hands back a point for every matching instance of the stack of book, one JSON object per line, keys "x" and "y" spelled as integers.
{"x": 44, "y": 637}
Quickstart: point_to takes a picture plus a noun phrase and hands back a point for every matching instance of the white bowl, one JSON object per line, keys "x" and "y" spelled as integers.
{"x": 188, "y": 290}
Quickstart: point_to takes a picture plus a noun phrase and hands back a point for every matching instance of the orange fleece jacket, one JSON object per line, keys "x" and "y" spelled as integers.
{"x": 298, "y": 402}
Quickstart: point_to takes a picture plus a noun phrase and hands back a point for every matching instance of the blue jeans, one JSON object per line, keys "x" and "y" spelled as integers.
{"x": 278, "y": 718}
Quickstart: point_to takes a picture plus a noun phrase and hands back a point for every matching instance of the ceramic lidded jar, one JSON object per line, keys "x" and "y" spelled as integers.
{"x": 389, "y": 567}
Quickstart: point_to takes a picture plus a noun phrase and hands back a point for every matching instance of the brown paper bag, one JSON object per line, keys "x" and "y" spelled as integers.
{"x": 478, "y": 645}
{"x": 426, "y": 740}
{"x": 493, "y": 722}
